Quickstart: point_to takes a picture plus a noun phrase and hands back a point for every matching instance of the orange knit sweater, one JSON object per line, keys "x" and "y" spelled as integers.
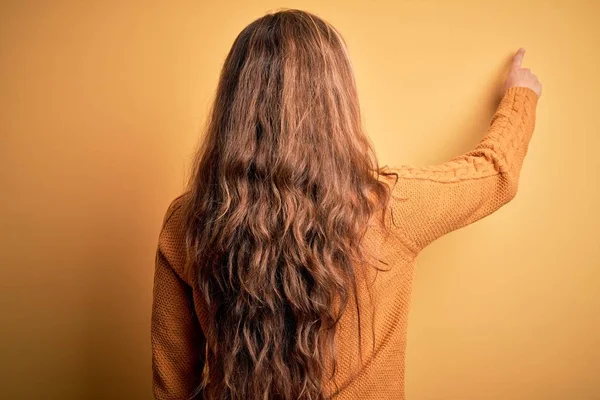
{"x": 428, "y": 202}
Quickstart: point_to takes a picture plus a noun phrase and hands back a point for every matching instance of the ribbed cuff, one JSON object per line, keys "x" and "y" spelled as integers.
{"x": 521, "y": 91}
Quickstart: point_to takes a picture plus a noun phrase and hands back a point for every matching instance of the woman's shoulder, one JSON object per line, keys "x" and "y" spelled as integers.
{"x": 175, "y": 207}
{"x": 171, "y": 241}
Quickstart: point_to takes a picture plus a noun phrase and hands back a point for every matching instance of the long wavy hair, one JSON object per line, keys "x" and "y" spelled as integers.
{"x": 283, "y": 187}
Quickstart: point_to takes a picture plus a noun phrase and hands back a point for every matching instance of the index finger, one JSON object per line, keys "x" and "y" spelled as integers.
{"x": 518, "y": 59}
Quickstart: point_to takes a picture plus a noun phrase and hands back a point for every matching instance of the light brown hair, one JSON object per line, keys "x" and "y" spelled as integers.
{"x": 283, "y": 187}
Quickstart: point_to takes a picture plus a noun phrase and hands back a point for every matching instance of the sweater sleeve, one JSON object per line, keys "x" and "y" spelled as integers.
{"x": 432, "y": 201}
{"x": 176, "y": 336}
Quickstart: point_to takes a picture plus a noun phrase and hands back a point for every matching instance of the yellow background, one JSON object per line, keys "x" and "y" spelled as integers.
{"x": 101, "y": 105}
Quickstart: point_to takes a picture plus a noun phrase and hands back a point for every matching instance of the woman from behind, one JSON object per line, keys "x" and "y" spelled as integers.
{"x": 265, "y": 255}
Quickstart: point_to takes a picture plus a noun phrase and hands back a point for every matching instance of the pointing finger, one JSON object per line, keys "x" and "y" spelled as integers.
{"x": 518, "y": 59}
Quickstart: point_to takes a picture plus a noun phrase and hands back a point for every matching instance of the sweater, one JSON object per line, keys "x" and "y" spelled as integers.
{"x": 427, "y": 202}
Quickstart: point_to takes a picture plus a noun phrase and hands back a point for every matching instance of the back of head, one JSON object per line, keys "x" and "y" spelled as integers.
{"x": 284, "y": 185}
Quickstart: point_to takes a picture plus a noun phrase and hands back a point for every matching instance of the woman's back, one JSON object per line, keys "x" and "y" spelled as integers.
{"x": 370, "y": 336}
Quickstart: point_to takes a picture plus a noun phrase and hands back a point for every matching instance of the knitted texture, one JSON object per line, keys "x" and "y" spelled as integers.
{"x": 428, "y": 202}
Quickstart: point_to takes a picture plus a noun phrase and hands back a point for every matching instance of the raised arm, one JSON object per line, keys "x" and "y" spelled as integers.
{"x": 435, "y": 200}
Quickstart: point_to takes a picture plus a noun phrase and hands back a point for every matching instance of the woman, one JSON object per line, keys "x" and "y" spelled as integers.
{"x": 284, "y": 271}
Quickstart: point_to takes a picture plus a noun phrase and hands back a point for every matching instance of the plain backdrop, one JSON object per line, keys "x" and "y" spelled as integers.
{"x": 101, "y": 107}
